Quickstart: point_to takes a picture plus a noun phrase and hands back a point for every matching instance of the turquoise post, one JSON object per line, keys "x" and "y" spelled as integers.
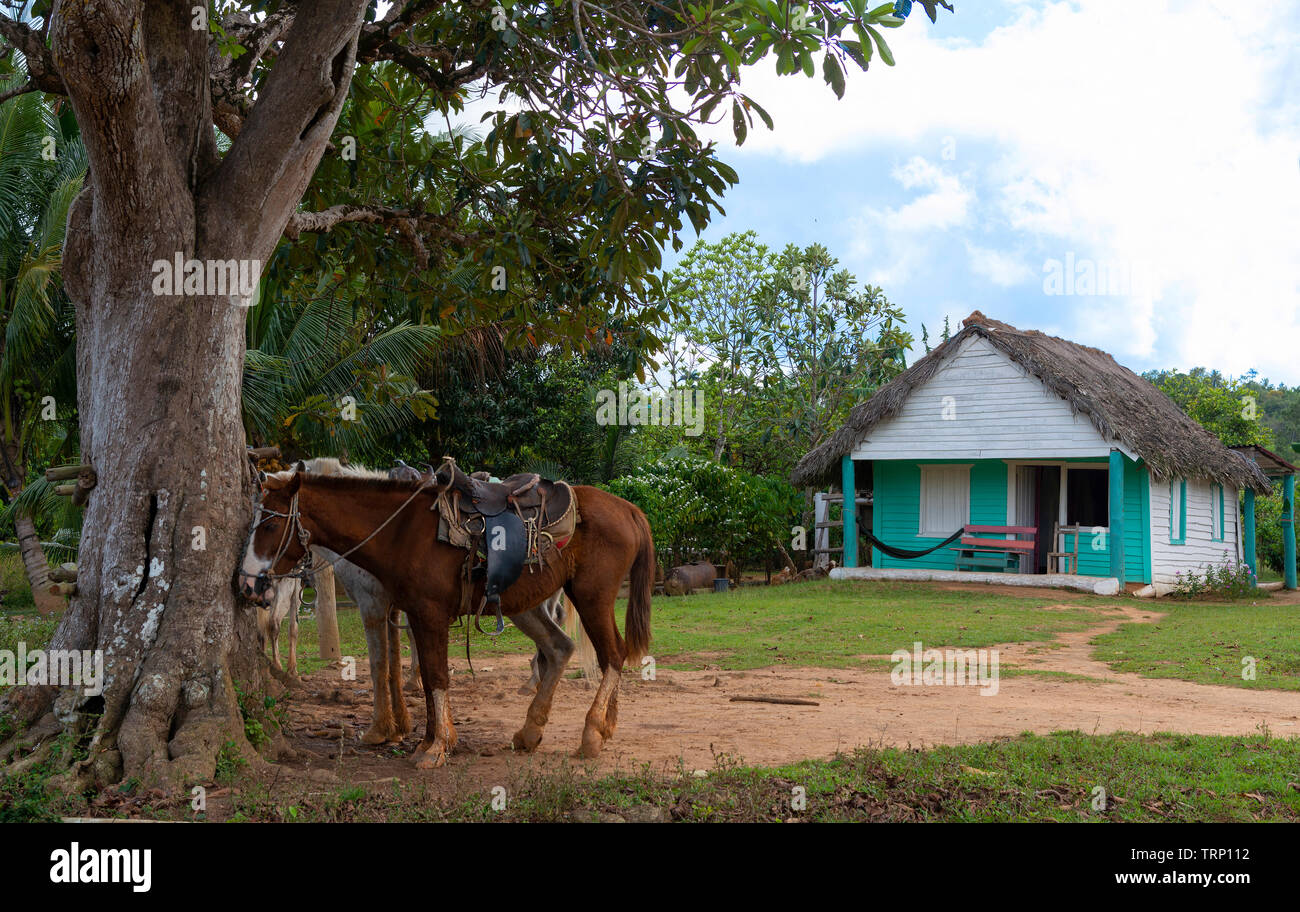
{"x": 1288, "y": 530}
{"x": 1117, "y": 517}
{"x": 849, "y": 486}
{"x": 1248, "y": 532}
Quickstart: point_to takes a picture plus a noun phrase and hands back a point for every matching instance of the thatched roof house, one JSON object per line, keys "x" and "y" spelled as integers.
{"x": 1003, "y": 427}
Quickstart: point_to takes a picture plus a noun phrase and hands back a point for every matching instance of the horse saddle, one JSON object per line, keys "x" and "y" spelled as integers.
{"x": 508, "y": 525}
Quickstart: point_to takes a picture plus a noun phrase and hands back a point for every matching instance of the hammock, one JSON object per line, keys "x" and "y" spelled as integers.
{"x": 900, "y": 554}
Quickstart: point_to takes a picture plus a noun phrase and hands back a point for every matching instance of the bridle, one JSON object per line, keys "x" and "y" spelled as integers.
{"x": 293, "y": 523}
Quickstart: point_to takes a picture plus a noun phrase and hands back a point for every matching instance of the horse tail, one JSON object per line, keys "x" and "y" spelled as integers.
{"x": 636, "y": 623}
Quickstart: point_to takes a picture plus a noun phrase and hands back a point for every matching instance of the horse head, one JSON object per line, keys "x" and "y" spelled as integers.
{"x": 277, "y": 542}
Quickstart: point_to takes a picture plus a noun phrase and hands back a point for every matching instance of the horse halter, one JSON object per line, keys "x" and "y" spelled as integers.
{"x": 293, "y": 522}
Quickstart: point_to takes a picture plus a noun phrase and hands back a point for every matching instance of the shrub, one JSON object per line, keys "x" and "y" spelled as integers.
{"x": 700, "y": 508}
{"x": 1268, "y": 531}
{"x": 1227, "y": 579}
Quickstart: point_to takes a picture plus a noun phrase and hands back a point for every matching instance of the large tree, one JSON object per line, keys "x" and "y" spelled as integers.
{"x": 591, "y": 164}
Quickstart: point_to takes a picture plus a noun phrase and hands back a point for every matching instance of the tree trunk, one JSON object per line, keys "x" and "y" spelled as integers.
{"x": 38, "y": 570}
{"x": 159, "y": 374}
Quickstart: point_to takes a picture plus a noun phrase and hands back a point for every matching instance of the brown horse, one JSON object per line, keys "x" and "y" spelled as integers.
{"x": 394, "y": 529}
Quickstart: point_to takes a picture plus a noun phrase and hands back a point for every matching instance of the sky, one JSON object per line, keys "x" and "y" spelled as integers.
{"x": 1018, "y": 147}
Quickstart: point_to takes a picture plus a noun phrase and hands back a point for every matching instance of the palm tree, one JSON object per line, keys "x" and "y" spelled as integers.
{"x": 42, "y": 166}
{"x": 322, "y": 374}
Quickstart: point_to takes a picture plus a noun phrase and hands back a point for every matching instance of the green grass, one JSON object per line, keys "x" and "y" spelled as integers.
{"x": 1207, "y": 643}
{"x": 15, "y": 593}
{"x": 826, "y": 624}
{"x": 1030, "y": 778}
{"x": 832, "y": 624}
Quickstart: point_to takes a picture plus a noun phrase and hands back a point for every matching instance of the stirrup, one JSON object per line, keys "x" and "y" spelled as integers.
{"x": 501, "y": 623}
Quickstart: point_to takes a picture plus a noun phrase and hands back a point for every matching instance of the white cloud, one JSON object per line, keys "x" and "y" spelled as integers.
{"x": 1163, "y": 133}
{"x": 944, "y": 206}
{"x": 1002, "y": 269}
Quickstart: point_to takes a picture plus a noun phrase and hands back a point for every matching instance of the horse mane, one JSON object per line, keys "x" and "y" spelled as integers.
{"x": 328, "y": 465}
{"x": 330, "y": 472}
{"x": 359, "y": 483}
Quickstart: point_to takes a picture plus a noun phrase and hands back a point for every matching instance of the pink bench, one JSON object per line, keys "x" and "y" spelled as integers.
{"x": 978, "y": 552}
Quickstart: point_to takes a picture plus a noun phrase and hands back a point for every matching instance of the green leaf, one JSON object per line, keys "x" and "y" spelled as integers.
{"x": 767, "y": 118}
{"x": 855, "y": 51}
{"x": 885, "y": 54}
{"x": 833, "y": 73}
{"x": 738, "y": 125}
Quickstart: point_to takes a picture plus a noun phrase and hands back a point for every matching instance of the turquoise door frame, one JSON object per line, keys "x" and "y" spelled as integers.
{"x": 1117, "y": 516}
{"x": 1288, "y": 532}
{"x": 848, "y": 484}
{"x": 1248, "y": 534}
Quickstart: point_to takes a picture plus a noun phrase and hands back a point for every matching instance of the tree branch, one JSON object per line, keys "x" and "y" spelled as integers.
{"x": 41, "y": 70}
{"x": 249, "y": 199}
{"x": 20, "y": 90}
{"x": 411, "y": 225}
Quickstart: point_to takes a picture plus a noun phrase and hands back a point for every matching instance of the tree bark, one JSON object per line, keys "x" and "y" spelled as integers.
{"x": 159, "y": 374}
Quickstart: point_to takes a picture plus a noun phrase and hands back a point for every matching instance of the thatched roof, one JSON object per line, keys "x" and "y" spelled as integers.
{"x": 1271, "y": 464}
{"x": 1120, "y": 404}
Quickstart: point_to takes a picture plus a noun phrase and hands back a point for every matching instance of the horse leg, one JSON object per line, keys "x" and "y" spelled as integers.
{"x": 554, "y": 649}
{"x": 273, "y": 634}
{"x": 430, "y": 629}
{"x": 401, "y": 715}
{"x": 374, "y": 617}
{"x": 594, "y": 601}
{"x": 413, "y": 680}
{"x": 552, "y": 608}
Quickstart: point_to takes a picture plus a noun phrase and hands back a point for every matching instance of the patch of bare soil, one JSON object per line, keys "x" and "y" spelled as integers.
{"x": 687, "y": 718}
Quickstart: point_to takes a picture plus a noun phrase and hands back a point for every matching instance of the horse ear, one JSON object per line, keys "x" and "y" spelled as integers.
{"x": 261, "y": 477}
{"x": 294, "y": 483}
{"x": 300, "y": 467}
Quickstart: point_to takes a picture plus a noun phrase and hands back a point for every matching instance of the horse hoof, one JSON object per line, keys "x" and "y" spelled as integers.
{"x": 374, "y": 736}
{"x": 432, "y": 760}
{"x": 590, "y": 749}
{"x": 525, "y": 741}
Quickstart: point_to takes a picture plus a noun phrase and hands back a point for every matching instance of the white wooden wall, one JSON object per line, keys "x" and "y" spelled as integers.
{"x": 997, "y": 411}
{"x": 1199, "y": 549}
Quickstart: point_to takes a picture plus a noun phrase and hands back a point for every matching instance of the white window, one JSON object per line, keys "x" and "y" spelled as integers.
{"x": 945, "y": 500}
{"x": 1216, "y": 520}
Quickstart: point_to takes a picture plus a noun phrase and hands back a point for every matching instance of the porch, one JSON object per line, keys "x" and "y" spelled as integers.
{"x": 1080, "y": 516}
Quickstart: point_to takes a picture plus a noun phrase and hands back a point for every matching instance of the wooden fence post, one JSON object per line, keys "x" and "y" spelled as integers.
{"x": 327, "y": 622}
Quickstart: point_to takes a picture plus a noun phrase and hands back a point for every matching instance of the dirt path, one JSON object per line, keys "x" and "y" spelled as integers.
{"x": 686, "y": 716}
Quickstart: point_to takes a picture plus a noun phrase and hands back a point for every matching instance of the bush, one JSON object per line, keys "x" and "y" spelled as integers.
{"x": 1268, "y": 531}
{"x": 699, "y": 508}
{"x": 1227, "y": 579}
{"x": 15, "y": 591}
